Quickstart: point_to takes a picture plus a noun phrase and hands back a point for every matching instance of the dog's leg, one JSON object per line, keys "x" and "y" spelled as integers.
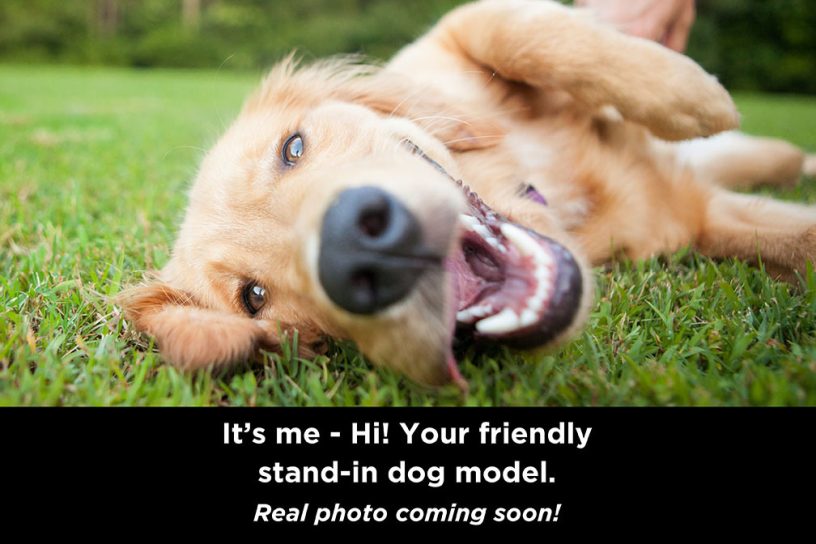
{"x": 752, "y": 228}
{"x": 546, "y": 45}
{"x": 809, "y": 167}
{"x": 738, "y": 161}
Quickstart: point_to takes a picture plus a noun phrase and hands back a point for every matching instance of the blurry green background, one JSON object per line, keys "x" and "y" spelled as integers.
{"x": 750, "y": 44}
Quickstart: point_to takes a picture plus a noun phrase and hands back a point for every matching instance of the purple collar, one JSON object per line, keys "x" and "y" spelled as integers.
{"x": 531, "y": 193}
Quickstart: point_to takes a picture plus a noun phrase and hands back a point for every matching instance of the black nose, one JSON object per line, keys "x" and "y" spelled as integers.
{"x": 371, "y": 251}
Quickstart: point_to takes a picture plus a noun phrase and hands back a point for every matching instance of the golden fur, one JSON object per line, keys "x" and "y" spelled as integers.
{"x": 497, "y": 92}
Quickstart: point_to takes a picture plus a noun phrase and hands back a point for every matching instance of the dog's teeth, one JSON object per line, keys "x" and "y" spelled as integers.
{"x": 508, "y": 320}
{"x": 528, "y": 317}
{"x": 503, "y": 322}
{"x": 468, "y": 221}
{"x": 544, "y": 259}
{"x": 482, "y": 231}
{"x": 474, "y": 225}
{"x": 528, "y": 246}
{"x": 469, "y": 314}
{"x": 496, "y": 244}
{"x": 464, "y": 316}
{"x": 523, "y": 242}
{"x": 536, "y": 302}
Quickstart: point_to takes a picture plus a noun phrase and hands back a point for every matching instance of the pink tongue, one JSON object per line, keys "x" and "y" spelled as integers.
{"x": 456, "y": 376}
{"x": 454, "y": 292}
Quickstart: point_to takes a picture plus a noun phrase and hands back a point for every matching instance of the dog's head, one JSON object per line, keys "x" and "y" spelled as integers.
{"x": 332, "y": 206}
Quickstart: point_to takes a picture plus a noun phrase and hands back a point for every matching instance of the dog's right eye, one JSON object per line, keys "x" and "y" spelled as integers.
{"x": 253, "y": 297}
{"x": 292, "y": 149}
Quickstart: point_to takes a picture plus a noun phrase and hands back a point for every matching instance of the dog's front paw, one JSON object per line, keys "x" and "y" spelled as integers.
{"x": 695, "y": 106}
{"x": 707, "y": 111}
{"x": 668, "y": 93}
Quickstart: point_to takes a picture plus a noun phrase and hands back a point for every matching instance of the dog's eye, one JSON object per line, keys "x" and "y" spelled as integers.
{"x": 254, "y": 297}
{"x": 292, "y": 149}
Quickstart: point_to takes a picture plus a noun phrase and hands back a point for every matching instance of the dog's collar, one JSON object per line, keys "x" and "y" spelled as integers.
{"x": 533, "y": 194}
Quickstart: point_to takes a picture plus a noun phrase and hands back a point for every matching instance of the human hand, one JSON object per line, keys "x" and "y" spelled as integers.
{"x": 665, "y": 21}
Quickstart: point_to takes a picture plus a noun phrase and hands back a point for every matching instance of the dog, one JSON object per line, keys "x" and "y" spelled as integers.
{"x": 464, "y": 190}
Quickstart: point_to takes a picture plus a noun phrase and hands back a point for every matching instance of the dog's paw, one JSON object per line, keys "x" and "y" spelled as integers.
{"x": 695, "y": 105}
{"x": 671, "y": 95}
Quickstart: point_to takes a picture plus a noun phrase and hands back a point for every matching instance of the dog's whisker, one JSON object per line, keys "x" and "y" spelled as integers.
{"x": 411, "y": 96}
{"x": 440, "y": 118}
{"x": 469, "y": 138}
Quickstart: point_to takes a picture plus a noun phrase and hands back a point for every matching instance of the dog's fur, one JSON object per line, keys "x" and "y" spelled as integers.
{"x": 498, "y": 93}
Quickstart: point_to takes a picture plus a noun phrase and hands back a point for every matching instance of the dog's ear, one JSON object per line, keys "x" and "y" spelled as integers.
{"x": 458, "y": 129}
{"x": 188, "y": 335}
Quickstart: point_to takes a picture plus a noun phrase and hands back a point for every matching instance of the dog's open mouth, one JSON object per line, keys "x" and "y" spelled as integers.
{"x": 510, "y": 285}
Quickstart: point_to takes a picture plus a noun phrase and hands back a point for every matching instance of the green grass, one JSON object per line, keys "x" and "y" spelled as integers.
{"x": 93, "y": 170}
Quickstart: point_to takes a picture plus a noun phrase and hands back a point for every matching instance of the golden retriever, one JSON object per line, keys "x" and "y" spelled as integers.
{"x": 463, "y": 190}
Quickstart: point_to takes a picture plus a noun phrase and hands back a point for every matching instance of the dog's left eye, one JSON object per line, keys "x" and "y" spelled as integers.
{"x": 254, "y": 297}
{"x": 292, "y": 149}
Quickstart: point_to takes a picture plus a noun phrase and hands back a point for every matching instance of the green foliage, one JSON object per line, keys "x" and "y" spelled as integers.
{"x": 93, "y": 169}
{"x": 758, "y": 45}
{"x": 237, "y": 34}
{"x": 750, "y": 44}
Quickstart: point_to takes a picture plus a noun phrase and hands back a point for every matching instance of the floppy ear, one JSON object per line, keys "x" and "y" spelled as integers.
{"x": 188, "y": 335}
{"x": 458, "y": 129}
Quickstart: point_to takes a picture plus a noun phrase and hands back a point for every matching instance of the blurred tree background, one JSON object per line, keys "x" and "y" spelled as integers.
{"x": 750, "y": 44}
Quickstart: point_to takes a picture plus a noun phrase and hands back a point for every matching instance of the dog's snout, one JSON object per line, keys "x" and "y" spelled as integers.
{"x": 371, "y": 250}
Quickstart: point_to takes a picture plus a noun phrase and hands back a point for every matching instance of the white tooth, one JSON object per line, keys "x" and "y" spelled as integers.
{"x": 525, "y": 244}
{"x": 482, "y": 231}
{"x": 503, "y": 322}
{"x": 493, "y": 242}
{"x": 468, "y": 221}
{"x": 528, "y": 317}
{"x": 544, "y": 261}
{"x": 502, "y": 249}
{"x": 469, "y": 314}
{"x": 536, "y": 302}
{"x": 542, "y": 276}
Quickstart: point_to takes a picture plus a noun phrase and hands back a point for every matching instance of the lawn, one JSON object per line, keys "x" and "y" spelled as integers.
{"x": 93, "y": 169}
